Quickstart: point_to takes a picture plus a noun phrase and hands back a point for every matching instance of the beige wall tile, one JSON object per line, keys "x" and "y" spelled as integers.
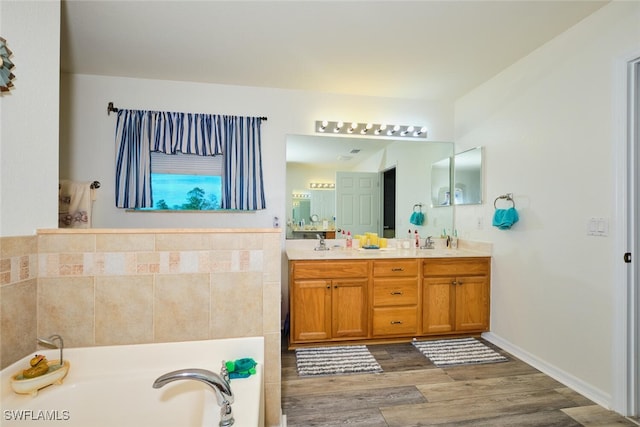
{"x": 66, "y": 307}
{"x": 124, "y": 310}
{"x": 64, "y": 243}
{"x": 183, "y": 242}
{"x": 234, "y": 241}
{"x": 236, "y": 304}
{"x": 272, "y": 399}
{"x": 18, "y": 320}
{"x": 271, "y": 304}
{"x": 17, "y": 246}
{"x": 181, "y": 307}
{"x": 125, "y": 242}
{"x": 272, "y": 349}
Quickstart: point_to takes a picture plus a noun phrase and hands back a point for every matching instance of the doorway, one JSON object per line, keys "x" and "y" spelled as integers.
{"x": 627, "y": 329}
{"x": 389, "y": 203}
{"x": 634, "y": 315}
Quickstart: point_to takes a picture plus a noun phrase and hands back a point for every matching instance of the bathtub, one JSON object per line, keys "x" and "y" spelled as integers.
{"x": 112, "y": 386}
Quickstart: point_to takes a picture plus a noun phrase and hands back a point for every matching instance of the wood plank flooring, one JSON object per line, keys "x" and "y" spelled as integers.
{"x": 413, "y": 392}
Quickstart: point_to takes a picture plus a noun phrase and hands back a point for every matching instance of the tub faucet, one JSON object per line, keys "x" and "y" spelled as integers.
{"x": 50, "y": 342}
{"x": 220, "y": 386}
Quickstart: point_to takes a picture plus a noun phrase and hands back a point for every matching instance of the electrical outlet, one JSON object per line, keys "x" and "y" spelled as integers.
{"x": 276, "y": 222}
{"x": 479, "y": 223}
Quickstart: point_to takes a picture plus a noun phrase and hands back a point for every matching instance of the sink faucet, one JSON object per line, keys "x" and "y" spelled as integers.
{"x": 220, "y": 386}
{"x": 428, "y": 243}
{"x": 322, "y": 246}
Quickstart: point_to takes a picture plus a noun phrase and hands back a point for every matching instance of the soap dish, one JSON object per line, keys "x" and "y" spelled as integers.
{"x": 55, "y": 375}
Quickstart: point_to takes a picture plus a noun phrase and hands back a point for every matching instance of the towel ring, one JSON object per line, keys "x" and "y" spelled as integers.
{"x": 508, "y": 197}
{"x": 417, "y": 205}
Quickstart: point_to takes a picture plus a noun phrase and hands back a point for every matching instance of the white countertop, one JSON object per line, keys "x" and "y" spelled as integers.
{"x": 303, "y": 250}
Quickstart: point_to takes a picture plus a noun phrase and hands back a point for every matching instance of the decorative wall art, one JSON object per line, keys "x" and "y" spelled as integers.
{"x": 5, "y": 67}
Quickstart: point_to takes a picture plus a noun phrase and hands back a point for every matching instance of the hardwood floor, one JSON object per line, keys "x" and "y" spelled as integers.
{"x": 413, "y": 392}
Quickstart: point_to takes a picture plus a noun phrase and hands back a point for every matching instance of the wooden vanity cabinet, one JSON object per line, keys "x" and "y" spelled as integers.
{"x": 395, "y": 297}
{"x": 455, "y": 295}
{"x": 329, "y": 300}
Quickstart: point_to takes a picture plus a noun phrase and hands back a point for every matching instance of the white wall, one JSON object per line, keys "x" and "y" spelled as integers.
{"x": 548, "y": 127}
{"x": 87, "y": 134}
{"x": 29, "y": 118}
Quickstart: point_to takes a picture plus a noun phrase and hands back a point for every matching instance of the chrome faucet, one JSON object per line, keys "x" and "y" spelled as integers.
{"x": 428, "y": 243}
{"x": 220, "y": 386}
{"x": 322, "y": 246}
{"x": 50, "y": 342}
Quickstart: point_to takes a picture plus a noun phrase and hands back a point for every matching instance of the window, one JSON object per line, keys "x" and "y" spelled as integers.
{"x": 186, "y": 182}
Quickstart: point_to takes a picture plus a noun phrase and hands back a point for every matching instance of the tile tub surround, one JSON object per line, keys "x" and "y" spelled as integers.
{"x": 18, "y": 290}
{"x": 119, "y": 286}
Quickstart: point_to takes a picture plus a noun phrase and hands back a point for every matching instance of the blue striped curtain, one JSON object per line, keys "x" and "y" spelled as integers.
{"x": 242, "y": 185}
{"x": 139, "y": 132}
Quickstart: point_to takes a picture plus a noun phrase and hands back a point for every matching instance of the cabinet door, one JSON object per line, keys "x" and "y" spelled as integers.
{"x": 472, "y": 303}
{"x": 438, "y": 309}
{"x": 311, "y": 310}
{"x": 349, "y": 307}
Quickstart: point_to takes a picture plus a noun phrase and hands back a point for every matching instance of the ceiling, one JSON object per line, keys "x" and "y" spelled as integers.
{"x": 433, "y": 50}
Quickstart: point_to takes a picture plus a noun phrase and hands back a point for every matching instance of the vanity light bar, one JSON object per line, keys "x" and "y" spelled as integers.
{"x": 370, "y": 129}
{"x": 322, "y": 185}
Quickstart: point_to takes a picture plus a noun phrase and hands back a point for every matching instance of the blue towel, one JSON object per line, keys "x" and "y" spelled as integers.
{"x": 505, "y": 218}
{"x": 417, "y": 218}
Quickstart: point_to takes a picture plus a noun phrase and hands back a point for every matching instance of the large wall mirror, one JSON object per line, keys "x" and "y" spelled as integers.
{"x": 467, "y": 177}
{"x": 362, "y": 184}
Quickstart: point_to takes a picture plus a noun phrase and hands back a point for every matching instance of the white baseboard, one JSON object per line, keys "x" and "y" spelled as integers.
{"x": 588, "y": 391}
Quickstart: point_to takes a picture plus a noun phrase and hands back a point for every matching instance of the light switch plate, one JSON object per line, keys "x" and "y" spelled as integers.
{"x": 597, "y": 226}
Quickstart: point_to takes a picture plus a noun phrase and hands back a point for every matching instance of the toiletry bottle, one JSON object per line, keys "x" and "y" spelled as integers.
{"x": 342, "y": 236}
{"x": 417, "y": 239}
{"x": 454, "y": 240}
{"x": 349, "y": 240}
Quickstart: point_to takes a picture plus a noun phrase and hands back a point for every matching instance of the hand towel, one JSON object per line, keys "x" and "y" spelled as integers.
{"x": 75, "y": 201}
{"x": 417, "y": 218}
{"x": 505, "y": 218}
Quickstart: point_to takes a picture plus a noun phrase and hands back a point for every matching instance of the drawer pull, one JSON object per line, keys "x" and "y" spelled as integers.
{"x": 397, "y": 269}
{"x": 396, "y": 322}
{"x": 396, "y": 293}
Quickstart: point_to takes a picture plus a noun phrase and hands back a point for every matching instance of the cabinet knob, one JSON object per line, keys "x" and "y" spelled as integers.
{"x": 397, "y": 269}
{"x": 460, "y": 283}
{"x": 453, "y": 282}
{"x": 396, "y": 322}
{"x": 396, "y": 293}
{"x": 328, "y": 286}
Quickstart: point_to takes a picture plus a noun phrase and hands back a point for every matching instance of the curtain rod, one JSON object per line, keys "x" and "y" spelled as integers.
{"x": 111, "y": 108}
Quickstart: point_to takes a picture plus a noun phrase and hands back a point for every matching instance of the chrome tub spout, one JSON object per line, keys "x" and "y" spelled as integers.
{"x": 220, "y": 386}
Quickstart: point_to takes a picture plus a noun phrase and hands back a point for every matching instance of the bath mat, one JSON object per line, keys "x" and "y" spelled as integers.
{"x": 348, "y": 359}
{"x": 461, "y": 351}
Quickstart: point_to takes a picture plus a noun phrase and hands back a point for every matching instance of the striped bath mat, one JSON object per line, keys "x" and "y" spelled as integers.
{"x": 348, "y": 359}
{"x": 458, "y": 352}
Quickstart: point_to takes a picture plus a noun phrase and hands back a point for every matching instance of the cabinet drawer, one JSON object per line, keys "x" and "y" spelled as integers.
{"x": 329, "y": 269}
{"x": 394, "y": 268}
{"x": 391, "y": 291}
{"x": 455, "y": 267}
{"x": 395, "y": 321}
